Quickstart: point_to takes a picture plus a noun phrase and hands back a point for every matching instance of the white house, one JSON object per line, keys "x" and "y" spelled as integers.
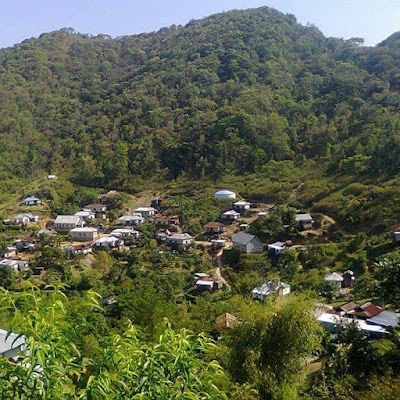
{"x": 334, "y": 278}
{"x": 304, "y": 221}
{"x": 270, "y": 288}
{"x": 241, "y": 206}
{"x": 131, "y": 220}
{"x": 218, "y": 243}
{"x": 23, "y": 219}
{"x": 86, "y": 215}
{"x": 51, "y": 177}
{"x": 277, "y": 248}
{"x": 108, "y": 242}
{"x": 225, "y": 195}
{"x": 182, "y": 239}
{"x": 246, "y": 243}
{"x": 15, "y": 265}
{"x": 64, "y": 223}
{"x": 209, "y": 283}
{"x": 230, "y": 215}
{"x": 83, "y": 234}
{"x": 125, "y": 233}
{"x": 145, "y": 212}
{"x": 31, "y": 201}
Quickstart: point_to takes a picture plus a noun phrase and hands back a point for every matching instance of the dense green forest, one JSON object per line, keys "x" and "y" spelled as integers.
{"x": 223, "y": 94}
{"x": 247, "y": 100}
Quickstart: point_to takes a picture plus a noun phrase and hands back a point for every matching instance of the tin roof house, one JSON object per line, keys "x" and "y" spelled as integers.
{"x": 274, "y": 287}
{"x": 246, "y": 243}
{"x": 31, "y": 201}
{"x": 64, "y": 223}
{"x": 304, "y": 221}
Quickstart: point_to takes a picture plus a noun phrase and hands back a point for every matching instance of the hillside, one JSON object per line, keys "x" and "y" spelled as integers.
{"x": 220, "y": 96}
{"x": 221, "y": 221}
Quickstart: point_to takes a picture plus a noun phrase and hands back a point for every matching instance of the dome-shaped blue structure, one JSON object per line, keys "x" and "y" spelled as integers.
{"x": 225, "y": 194}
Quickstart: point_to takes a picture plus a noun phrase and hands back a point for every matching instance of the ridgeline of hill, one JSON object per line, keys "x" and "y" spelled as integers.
{"x": 239, "y": 93}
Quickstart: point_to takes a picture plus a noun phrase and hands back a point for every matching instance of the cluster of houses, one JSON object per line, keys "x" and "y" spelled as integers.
{"x": 371, "y": 319}
{"x": 85, "y": 237}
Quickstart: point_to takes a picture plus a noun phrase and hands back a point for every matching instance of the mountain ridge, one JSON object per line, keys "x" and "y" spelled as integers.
{"x": 227, "y": 94}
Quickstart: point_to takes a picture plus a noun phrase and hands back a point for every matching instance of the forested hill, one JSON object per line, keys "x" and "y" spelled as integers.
{"x": 224, "y": 94}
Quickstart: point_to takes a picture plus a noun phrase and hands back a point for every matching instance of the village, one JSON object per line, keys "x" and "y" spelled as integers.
{"x": 90, "y": 230}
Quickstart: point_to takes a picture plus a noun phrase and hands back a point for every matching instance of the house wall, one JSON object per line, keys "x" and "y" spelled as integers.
{"x": 213, "y": 230}
{"x": 255, "y": 246}
{"x": 204, "y": 288}
{"x": 83, "y": 236}
{"x": 231, "y": 217}
{"x": 64, "y": 227}
{"x": 32, "y": 203}
{"x": 185, "y": 242}
{"x": 22, "y": 220}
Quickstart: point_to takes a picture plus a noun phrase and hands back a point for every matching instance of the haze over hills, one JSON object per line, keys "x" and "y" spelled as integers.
{"x": 222, "y": 95}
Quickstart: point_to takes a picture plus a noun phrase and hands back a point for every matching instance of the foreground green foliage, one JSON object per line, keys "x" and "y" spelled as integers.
{"x": 271, "y": 347}
{"x": 57, "y": 366}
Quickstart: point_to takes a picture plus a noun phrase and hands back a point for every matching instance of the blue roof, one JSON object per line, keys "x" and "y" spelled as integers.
{"x": 385, "y": 319}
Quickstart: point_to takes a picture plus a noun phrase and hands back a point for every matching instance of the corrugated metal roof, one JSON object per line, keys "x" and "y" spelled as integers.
{"x": 243, "y": 238}
{"x": 84, "y": 229}
{"x": 181, "y": 236}
{"x": 385, "y": 318}
{"x": 132, "y": 217}
{"x": 107, "y": 239}
{"x": 224, "y": 191}
{"x": 67, "y": 219}
{"x": 84, "y": 213}
{"x": 231, "y": 212}
{"x": 278, "y": 244}
{"x": 333, "y": 276}
{"x": 336, "y": 320}
{"x": 303, "y": 217}
{"x": 31, "y": 198}
{"x": 352, "y": 305}
{"x": 145, "y": 209}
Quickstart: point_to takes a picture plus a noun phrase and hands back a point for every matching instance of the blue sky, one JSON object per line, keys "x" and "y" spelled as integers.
{"x": 373, "y": 20}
